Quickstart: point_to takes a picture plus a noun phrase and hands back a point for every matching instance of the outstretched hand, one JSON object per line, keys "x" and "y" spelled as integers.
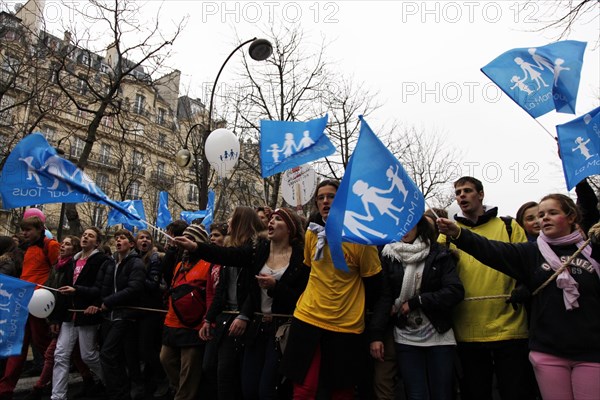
{"x": 447, "y": 227}
{"x": 185, "y": 243}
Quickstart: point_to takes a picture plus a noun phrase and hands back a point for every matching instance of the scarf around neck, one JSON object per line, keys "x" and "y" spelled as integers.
{"x": 319, "y": 230}
{"x": 411, "y": 255}
{"x": 564, "y": 280}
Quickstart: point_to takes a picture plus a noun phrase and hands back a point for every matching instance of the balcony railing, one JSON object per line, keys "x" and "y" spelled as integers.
{"x": 137, "y": 169}
{"x": 104, "y": 161}
{"x": 161, "y": 178}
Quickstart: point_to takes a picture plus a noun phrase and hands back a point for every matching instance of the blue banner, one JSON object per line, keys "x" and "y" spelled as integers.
{"x": 377, "y": 202}
{"x": 35, "y": 174}
{"x": 164, "y": 215}
{"x": 579, "y": 142}
{"x": 134, "y": 217}
{"x": 210, "y": 207}
{"x": 289, "y": 144}
{"x": 190, "y": 216}
{"x": 14, "y": 299}
{"x": 540, "y": 79}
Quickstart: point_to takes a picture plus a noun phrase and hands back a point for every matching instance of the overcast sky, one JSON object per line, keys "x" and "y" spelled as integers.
{"x": 424, "y": 59}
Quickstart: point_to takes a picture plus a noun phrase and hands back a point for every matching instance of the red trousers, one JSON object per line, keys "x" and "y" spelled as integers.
{"x": 307, "y": 390}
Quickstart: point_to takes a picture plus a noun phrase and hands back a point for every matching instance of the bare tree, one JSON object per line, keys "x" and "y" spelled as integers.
{"x": 344, "y": 100}
{"x": 430, "y": 161}
{"x": 562, "y": 14}
{"x": 284, "y": 89}
{"x": 94, "y": 85}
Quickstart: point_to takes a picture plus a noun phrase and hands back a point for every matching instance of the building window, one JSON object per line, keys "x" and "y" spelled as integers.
{"x": 49, "y": 133}
{"x": 86, "y": 59}
{"x": 104, "y": 68}
{"x": 10, "y": 63}
{"x": 138, "y": 130}
{"x": 138, "y": 158}
{"x": 6, "y": 109}
{"x": 108, "y": 121}
{"x": 160, "y": 169}
{"x": 82, "y": 85}
{"x": 162, "y": 140}
{"x": 133, "y": 192}
{"x": 77, "y": 147}
{"x": 138, "y": 107}
{"x": 105, "y": 150}
{"x": 160, "y": 117}
{"x": 192, "y": 194}
{"x": 98, "y": 216}
{"x": 54, "y": 72}
{"x": 52, "y": 99}
{"x": 102, "y": 181}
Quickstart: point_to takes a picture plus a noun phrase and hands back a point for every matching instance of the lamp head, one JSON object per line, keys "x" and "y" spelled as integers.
{"x": 183, "y": 158}
{"x": 260, "y": 49}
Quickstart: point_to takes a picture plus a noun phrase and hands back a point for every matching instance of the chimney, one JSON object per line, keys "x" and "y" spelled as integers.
{"x": 67, "y": 37}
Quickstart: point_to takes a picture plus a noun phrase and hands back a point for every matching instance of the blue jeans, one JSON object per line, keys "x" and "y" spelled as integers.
{"x": 427, "y": 372}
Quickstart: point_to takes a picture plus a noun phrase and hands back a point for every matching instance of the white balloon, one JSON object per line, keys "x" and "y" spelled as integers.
{"x": 222, "y": 149}
{"x": 42, "y": 303}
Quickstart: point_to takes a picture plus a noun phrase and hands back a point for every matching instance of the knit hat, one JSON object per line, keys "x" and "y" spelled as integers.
{"x": 34, "y": 212}
{"x": 196, "y": 233}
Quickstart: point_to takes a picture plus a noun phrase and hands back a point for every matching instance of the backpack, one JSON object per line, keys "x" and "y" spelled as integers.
{"x": 188, "y": 299}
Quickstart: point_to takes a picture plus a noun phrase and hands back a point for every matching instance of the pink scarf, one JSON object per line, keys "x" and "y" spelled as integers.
{"x": 62, "y": 262}
{"x": 564, "y": 280}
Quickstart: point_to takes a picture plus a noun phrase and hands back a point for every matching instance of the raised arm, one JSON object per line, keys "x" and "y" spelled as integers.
{"x": 512, "y": 259}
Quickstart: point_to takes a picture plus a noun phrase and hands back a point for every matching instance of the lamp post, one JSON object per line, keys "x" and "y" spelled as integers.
{"x": 260, "y": 50}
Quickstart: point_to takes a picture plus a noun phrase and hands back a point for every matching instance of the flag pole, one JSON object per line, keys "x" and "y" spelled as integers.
{"x": 432, "y": 210}
{"x": 544, "y": 128}
{"x": 158, "y": 229}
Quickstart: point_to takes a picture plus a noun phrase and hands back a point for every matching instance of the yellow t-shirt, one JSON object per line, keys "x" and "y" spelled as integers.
{"x": 335, "y": 300}
{"x": 488, "y": 320}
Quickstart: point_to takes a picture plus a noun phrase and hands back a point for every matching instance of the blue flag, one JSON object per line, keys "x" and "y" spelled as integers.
{"x": 189, "y": 216}
{"x": 35, "y": 174}
{"x": 134, "y": 217}
{"x": 540, "y": 79}
{"x": 376, "y": 203}
{"x": 288, "y": 144}
{"x": 579, "y": 142}
{"x": 210, "y": 207}
{"x": 164, "y": 215}
{"x": 14, "y": 299}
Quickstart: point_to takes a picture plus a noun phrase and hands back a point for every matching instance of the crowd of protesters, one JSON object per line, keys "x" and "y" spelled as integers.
{"x": 468, "y": 306}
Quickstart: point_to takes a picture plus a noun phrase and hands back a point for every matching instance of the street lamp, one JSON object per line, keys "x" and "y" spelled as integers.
{"x": 260, "y": 50}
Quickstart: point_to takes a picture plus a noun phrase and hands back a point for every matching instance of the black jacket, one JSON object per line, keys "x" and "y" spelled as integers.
{"x": 152, "y": 296}
{"x": 251, "y": 258}
{"x": 441, "y": 289}
{"x": 125, "y": 288}
{"x": 87, "y": 293}
{"x": 573, "y": 334}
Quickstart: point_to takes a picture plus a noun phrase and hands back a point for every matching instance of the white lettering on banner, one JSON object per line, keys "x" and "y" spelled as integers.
{"x": 410, "y": 217}
{"x": 593, "y": 163}
{"x": 33, "y": 192}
